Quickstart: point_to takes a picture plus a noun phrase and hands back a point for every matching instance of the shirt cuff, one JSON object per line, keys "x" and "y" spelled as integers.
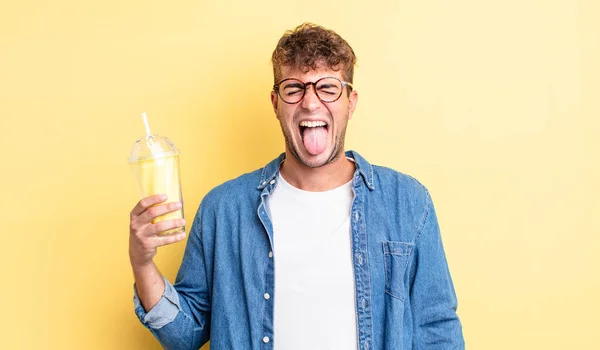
{"x": 163, "y": 313}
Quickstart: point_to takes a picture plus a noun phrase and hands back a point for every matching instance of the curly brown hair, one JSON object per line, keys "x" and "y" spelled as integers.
{"x": 308, "y": 46}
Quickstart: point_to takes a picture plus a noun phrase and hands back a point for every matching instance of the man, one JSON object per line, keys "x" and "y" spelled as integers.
{"x": 317, "y": 250}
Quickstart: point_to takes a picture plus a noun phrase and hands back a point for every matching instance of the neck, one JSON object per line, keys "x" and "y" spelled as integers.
{"x": 324, "y": 178}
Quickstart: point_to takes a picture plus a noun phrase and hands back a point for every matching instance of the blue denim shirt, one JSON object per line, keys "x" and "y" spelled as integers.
{"x": 405, "y": 298}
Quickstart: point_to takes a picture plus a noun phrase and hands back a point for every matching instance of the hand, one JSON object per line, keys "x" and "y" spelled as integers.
{"x": 143, "y": 234}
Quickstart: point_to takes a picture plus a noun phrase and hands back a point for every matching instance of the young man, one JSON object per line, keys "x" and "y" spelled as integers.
{"x": 317, "y": 250}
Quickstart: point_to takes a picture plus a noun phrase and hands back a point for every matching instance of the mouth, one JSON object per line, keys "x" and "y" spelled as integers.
{"x": 309, "y": 124}
{"x": 314, "y": 135}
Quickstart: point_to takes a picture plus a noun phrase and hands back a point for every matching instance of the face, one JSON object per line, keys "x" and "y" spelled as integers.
{"x": 314, "y": 131}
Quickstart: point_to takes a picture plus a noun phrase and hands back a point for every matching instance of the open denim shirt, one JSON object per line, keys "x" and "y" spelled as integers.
{"x": 405, "y": 298}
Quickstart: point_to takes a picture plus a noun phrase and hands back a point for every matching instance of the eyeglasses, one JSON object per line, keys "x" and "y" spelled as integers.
{"x": 327, "y": 89}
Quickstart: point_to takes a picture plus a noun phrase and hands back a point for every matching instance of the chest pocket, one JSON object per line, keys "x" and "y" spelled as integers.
{"x": 395, "y": 259}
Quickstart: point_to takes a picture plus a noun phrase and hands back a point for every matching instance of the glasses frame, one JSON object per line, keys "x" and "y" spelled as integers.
{"x": 314, "y": 85}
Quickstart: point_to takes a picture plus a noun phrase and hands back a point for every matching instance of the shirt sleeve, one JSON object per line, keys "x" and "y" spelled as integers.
{"x": 163, "y": 313}
{"x": 433, "y": 298}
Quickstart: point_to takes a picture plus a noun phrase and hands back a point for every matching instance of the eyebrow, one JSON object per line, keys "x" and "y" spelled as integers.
{"x": 293, "y": 85}
{"x": 327, "y": 85}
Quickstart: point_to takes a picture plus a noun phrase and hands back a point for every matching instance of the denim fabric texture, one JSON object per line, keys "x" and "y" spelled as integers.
{"x": 405, "y": 298}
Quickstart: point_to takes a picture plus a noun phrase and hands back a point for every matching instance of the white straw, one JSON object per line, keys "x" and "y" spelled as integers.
{"x": 146, "y": 125}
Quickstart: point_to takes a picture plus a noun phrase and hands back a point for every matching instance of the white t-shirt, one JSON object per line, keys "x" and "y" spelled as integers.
{"x": 314, "y": 278}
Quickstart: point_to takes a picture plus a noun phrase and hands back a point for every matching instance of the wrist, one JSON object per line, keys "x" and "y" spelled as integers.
{"x": 139, "y": 267}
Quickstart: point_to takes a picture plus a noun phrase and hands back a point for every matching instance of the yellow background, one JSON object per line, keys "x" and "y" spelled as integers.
{"x": 493, "y": 105}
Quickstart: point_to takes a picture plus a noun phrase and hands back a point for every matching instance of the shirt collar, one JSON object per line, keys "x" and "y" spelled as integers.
{"x": 271, "y": 170}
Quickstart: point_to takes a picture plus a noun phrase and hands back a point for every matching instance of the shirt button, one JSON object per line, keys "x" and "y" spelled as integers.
{"x": 267, "y": 296}
{"x": 356, "y": 216}
{"x": 264, "y": 183}
{"x": 364, "y": 303}
{"x": 272, "y": 182}
{"x": 270, "y": 254}
{"x": 360, "y": 260}
{"x": 265, "y": 339}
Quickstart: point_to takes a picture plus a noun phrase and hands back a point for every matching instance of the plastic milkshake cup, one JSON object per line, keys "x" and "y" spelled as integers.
{"x": 154, "y": 161}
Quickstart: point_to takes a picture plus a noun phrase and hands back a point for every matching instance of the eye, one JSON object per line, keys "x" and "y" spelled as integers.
{"x": 293, "y": 92}
{"x": 328, "y": 88}
{"x": 293, "y": 89}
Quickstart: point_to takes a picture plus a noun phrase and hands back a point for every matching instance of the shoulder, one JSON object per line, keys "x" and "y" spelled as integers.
{"x": 403, "y": 194}
{"x": 386, "y": 182}
{"x": 388, "y": 179}
{"x": 407, "y": 198}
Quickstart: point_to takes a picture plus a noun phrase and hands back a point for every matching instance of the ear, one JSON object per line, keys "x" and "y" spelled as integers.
{"x": 274, "y": 100}
{"x": 352, "y": 101}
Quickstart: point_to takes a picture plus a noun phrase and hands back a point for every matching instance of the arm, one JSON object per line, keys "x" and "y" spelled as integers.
{"x": 149, "y": 284}
{"x": 176, "y": 316}
{"x": 433, "y": 298}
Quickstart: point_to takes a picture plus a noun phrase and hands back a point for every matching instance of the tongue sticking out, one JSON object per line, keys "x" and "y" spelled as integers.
{"x": 315, "y": 140}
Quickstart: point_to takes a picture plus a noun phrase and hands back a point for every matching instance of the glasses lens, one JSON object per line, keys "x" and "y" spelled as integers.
{"x": 329, "y": 89}
{"x": 291, "y": 90}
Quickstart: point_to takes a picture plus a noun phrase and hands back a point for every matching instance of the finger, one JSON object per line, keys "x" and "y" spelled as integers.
{"x": 147, "y": 202}
{"x": 156, "y": 211}
{"x": 169, "y": 239}
{"x": 165, "y": 225}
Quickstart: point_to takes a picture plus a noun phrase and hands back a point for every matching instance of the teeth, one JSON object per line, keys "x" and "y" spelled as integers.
{"x": 312, "y": 124}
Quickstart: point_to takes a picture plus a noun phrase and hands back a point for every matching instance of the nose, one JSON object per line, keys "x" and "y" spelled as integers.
{"x": 311, "y": 101}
